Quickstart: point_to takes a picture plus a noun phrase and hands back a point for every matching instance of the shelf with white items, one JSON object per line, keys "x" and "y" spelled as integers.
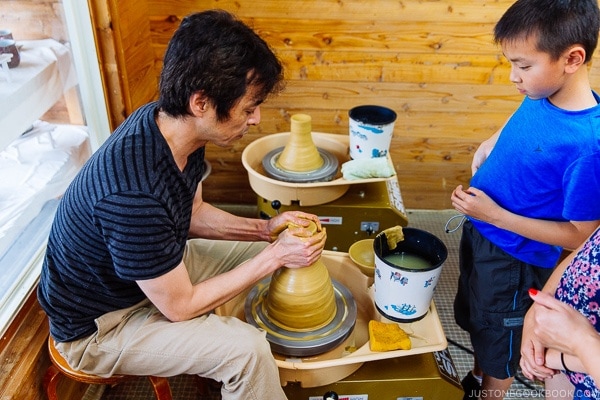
{"x": 37, "y": 160}
{"x": 43, "y": 77}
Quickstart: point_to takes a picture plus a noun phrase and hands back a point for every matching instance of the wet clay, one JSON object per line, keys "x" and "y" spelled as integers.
{"x": 300, "y": 154}
{"x": 301, "y": 299}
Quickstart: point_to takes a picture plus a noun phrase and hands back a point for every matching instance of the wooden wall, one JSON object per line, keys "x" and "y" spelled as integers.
{"x": 33, "y": 19}
{"x": 433, "y": 62}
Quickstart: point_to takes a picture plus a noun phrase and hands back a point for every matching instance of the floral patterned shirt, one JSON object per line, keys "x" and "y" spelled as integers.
{"x": 580, "y": 287}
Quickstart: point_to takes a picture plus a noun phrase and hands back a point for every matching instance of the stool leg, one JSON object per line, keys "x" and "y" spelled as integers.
{"x": 202, "y": 385}
{"x": 51, "y": 378}
{"x": 161, "y": 387}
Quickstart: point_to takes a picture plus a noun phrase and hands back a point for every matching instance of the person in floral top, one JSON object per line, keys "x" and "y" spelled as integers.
{"x": 568, "y": 327}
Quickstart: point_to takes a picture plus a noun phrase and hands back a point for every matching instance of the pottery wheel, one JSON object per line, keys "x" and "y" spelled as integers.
{"x": 302, "y": 344}
{"x": 326, "y": 173}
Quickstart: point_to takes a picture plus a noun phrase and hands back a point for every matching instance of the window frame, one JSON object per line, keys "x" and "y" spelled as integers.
{"x": 78, "y": 21}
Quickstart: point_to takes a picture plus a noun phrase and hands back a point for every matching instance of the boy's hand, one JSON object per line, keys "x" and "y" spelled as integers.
{"x": 476, "y": 204}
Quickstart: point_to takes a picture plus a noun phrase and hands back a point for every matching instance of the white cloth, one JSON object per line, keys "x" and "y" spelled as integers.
{"x": 35, "y": 168}
{"x": 379, "y": 167}
{"x": 44, "y": 74}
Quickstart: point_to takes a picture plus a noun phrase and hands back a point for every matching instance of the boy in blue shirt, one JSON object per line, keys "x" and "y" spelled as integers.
{"x": 535, "y": 185}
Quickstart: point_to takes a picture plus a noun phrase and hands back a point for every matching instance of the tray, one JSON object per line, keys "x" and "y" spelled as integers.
{"x": 427, "y": 335}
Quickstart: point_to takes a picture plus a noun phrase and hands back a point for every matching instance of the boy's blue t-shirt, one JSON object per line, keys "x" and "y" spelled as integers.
{"x": 545, "y": 165}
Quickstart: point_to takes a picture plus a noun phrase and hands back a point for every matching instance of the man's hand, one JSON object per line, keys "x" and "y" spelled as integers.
{"x": 280, "y": 222}
{"x": 294, "y": 243}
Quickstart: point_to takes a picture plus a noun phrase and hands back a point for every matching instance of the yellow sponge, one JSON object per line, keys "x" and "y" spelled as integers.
{"x": 387, "y": 336}
{"x": 393, "y": 236}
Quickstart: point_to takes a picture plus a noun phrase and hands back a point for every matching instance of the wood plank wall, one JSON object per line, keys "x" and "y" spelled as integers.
{"x": 433, "y": 62}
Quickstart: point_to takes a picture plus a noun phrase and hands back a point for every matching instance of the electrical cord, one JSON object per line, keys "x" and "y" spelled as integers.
{"x": 457, "y": 227}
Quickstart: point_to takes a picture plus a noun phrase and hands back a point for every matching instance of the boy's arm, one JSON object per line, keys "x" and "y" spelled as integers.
{"x": 477, "y": 204}
{"x": 569, "y": 234}
{"x": 484, "y": 150}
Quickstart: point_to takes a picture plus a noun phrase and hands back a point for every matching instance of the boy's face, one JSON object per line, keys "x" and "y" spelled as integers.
{"x": 534, "y": 72}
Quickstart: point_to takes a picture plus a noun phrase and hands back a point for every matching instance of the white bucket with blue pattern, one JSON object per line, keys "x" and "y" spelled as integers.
{"x": 406, "y": 277}
{"x": 371, "y": 131}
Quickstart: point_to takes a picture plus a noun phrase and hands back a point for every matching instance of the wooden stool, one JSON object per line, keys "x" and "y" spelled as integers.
{"x": 59, "y": 366}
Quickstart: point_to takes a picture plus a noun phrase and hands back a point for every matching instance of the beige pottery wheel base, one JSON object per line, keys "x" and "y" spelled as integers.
{"x": 306, "y": 194}
{"x": 427, "y": 334}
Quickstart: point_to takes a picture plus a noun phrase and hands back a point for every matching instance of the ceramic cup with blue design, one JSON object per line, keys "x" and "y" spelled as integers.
{"x": 8, "y": 46}
{"x": 406, "y": 277}
{"x": 371, "y": 131}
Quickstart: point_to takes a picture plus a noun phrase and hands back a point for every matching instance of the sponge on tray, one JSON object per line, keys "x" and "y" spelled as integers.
{"x": 387, "y": 336}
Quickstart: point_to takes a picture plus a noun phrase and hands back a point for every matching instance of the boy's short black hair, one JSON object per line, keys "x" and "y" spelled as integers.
{"x": 217, "y": 54}
{"x": 558, "y": 24}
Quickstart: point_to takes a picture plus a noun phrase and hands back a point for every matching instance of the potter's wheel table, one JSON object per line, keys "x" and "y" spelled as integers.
{"x": 305, "y": 194}
{"x": 302, "y": 342}
{"x": 427, "y": 335}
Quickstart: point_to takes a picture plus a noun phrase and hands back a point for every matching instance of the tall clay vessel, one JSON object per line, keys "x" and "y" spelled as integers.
{"x": 301, "y": 299}
{"x": 300, "y": 153}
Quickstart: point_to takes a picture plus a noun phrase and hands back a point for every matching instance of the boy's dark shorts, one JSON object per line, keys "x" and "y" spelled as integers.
{"x": 492, "y": 300}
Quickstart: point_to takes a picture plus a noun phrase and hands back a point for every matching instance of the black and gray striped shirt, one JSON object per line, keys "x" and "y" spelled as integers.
{"x": 125, "y": 217}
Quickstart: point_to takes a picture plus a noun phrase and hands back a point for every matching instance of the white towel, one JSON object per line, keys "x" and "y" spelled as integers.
{"x": 379, "y": 167}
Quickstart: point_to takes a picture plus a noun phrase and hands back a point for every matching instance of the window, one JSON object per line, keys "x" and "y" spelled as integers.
{"x": 39, "y": 158}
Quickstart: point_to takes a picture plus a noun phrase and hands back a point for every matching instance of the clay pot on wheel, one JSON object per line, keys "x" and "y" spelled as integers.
{"x": 301, "y": 299}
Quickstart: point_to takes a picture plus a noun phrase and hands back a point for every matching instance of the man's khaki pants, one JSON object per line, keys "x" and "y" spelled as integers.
{"x": 139, "y": 340}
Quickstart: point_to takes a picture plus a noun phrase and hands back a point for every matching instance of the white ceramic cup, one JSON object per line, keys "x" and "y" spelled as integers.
{"x": 371, "y": 130}
{"x": 6, "y": 34}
